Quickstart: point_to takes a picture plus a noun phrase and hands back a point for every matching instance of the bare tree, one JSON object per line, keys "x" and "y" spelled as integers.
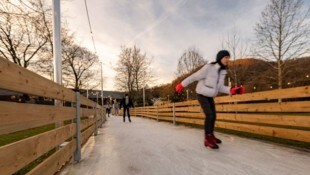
{"x": 190, "y": 60}
{"x": 44, "y": 23}
{"x": 238, "y": 48}
{"x": 133, "y": 70}
{"x": 44, "y": 65}
{"x": 141, "y": 69}
{"x": 78, "y": 63}
{"x": 283, "y": 34}
{"x": 21, "y": 36}
{"x": 124, "y": 69}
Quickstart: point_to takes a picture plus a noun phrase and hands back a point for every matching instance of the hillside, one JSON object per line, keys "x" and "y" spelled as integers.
{"x": 260, "y": 75}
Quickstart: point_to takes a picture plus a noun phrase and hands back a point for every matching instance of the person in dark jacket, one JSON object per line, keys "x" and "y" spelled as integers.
{"x": 126, "y": 103}
{"x": 211, "y": 81}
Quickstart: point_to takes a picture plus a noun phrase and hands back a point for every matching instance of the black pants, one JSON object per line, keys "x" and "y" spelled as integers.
{"x": 208, "y": 107}
{"x": 124, "y": 113}
{"x": 108, "y": 111}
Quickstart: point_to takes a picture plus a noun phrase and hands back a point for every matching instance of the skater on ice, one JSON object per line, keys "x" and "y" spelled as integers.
{"x": 126, "y": 103}
{"x": 210, "y": 82}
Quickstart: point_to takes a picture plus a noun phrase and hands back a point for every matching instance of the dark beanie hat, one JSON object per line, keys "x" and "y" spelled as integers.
{"x": 221, "y": 54}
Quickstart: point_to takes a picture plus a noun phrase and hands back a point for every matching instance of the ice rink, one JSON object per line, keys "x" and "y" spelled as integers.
{"x": 148, "y": 147}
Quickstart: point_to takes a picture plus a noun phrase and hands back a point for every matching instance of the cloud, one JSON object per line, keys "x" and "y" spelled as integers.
{"x": 163, "y": 29}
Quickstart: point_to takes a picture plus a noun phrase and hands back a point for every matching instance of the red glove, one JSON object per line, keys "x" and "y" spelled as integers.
{"x": 233, "y": 90}
{"x": 241, "y": 90}
{"x": 237, "y": 90}
{"x": 179, "y": 88}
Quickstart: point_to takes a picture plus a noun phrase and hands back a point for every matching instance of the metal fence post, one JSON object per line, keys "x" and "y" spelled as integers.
{"x": 96, "y": 124}
{"x": 157, "y": 113}
{"x": 77, "y": 153}
{"x": 173, "y": 113}
{"x": 102, "y": 115}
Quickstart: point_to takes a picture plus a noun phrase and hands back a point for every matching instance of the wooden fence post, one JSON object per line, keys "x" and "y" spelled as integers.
{"x": 77, "y": 153}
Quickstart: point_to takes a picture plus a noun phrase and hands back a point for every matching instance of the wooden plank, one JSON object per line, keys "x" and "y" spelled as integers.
{"x": 88, "y": 102}
{"x": 287, "y": 120}
{"x": 151, "y": 113}
{"x": 302, "y": 106}
{"x": 30, "y": 115}
{"x": 187, "y": 103}
{"x": 54, "y": 163}
{"x": 146, "y": 113}
{"x": 192, "y": 121}
{"x": 189, "y": 109}
{"x": 146, "y": 110}
{"x": 87, "y": 112}
{"x": 87, "y": 133}
{"x": 164, "y": 109}
{"x": 165, "y": 118}
{"x": 168, "y": 105}
{"x": 25, "y": 151}
{"x": 297, "y": 92}
{"x": 98, "y": 119}
{"x": 190, "y": 115}
{"x": 165, "y": 114}
{"x": 147, "y": 116}
{"x": 292, "y": 134}
{"x": 292, "y": 120}
{"x": 146, "y": 107}
{"x": 86, "y": 123}
{"x": 19, "y": 79}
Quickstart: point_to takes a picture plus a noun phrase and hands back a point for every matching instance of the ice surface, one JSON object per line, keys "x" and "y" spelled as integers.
{"x": 148, "y": 147}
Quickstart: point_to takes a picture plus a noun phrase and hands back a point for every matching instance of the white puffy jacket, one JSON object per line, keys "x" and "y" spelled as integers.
{"x": 210, "y": 80}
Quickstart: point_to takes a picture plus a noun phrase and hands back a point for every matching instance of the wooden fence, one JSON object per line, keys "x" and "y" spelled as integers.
{"x": 66, "y": 139}
{"x": 259, "y": 113}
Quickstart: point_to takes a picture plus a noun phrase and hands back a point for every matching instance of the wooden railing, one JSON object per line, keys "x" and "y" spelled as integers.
{"x": 65, "y": 139}
{"x": 258, "y": 113}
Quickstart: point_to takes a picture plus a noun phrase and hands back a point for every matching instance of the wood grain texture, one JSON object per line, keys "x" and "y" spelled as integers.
{"x": 20, "y": 116}
{"x": 25, "y": 151}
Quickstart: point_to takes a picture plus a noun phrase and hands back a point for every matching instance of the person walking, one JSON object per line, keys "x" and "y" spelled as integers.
{"x": 126, "y": 103}
{"x": 211, "y": 81}
{"x": 108, "y": 108}
{"x": 115, "y": 107}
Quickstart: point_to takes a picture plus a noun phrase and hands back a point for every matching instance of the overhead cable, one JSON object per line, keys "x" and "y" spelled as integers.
{"x": 91, "y": 32}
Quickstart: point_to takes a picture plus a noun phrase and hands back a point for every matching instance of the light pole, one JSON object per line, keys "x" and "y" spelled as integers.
{"x": 143, "y": 96}
{"x": 97, "y": 96}
{"x": 186, "y": 94}
{"x": 101, "y": 84}
{"x": 57, "y": 49}
{"x": 57, "y": 41}
{"x": 87, "y": 90}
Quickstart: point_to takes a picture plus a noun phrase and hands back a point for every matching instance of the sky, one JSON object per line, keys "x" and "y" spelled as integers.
{"x": 163, "y": 29}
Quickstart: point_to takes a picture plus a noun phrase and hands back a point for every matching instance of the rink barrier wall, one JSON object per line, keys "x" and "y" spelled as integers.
{"x": 74, "y": 124}
{"x": 281, "y": 113}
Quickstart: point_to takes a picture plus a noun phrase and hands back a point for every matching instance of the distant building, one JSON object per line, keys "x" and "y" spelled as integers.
{"x": 107, "y": 95}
